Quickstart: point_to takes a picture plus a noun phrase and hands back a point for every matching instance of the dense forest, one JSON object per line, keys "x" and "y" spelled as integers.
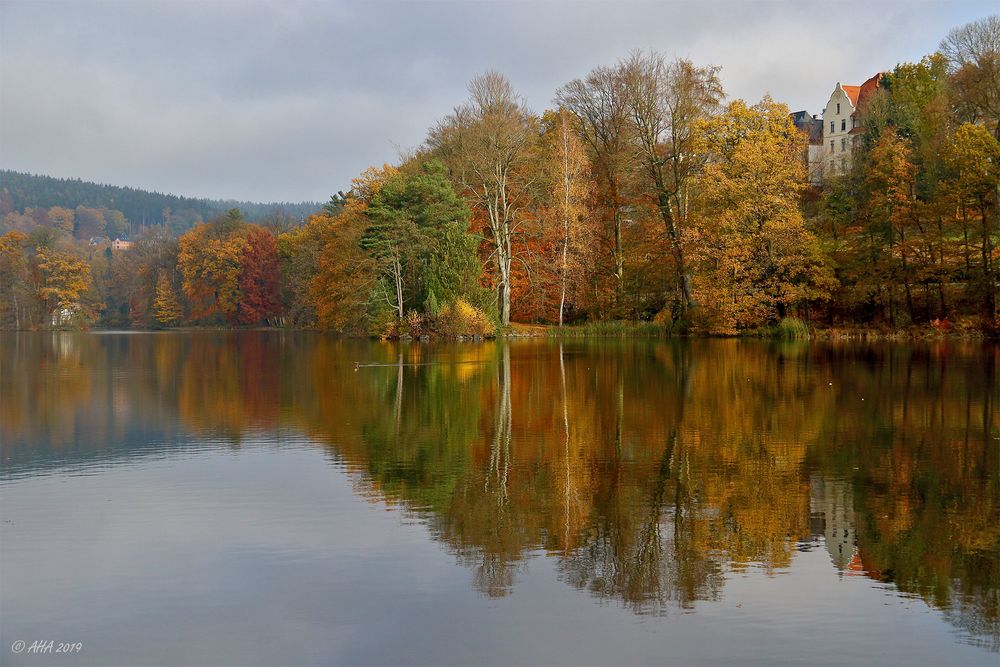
{"x": 643, "y": 195}
{"x": 20, "y": 192}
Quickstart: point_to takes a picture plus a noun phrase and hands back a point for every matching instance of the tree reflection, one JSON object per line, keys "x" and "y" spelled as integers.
{"x": 647, "y": 470}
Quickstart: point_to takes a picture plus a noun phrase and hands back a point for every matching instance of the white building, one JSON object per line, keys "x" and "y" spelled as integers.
{"x": 842, "y": 124}
{"x": 812, "y": 126}
{"x": 831, "y": 509}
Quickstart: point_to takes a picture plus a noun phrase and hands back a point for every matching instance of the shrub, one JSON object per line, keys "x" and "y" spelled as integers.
{"x": 989, "y": 327}
{"x": 383, "y": 323}
{"x": 791, "y": 328}
{"x": 431, "y": 306}
{"x": 463, "y": 319}
{"x": 943, "y": 325}
{"x": 413, "y": 324}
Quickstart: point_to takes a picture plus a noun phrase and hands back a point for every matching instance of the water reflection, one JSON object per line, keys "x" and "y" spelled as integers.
{"x": 651, "y": 471}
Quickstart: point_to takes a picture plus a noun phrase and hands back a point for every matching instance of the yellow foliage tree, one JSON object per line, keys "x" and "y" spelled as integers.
{"x": 754, "y": 256}
{"x": 167, "y": 307}
{"x": 973, "y": 157}
{"x": 891, "y": 181}
{"x": 210, "y": 265}
{"x": 65, "y": 279}
{"x": 570, "y": 188}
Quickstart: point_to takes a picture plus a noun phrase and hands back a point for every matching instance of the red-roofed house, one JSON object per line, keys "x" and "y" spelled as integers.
{"x": 842, "y": 124}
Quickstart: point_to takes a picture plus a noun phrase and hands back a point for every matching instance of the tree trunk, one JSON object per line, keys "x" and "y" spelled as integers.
{"x": 562, "y": 296}
{"x": 619, "y": 262}
{"x": 683, "y": 279}
{"x": 398, "y": 271}
{"x": 566, "y": 214}
{"x": 988, "y": 282}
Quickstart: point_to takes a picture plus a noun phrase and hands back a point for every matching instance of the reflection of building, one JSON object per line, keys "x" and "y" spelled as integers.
{"x": 831, "y": 506}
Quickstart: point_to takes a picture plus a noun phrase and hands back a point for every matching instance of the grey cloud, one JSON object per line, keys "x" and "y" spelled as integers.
{"x": 289, "y": 100}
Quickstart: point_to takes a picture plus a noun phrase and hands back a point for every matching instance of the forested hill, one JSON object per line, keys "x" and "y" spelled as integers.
{"x": 20, "y": 191}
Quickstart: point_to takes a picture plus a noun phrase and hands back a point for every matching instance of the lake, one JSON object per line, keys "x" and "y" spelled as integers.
{"x": 264, "y": 498}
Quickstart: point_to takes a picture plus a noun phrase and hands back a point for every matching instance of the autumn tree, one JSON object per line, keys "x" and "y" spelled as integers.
{"x": 345, "y": 276}
{"x": 134, "y": 276}
{"x": 488, "y": 145}
{"x": 599, "y": 104}
{"x": 88, "y": 222}
{"x": 167, "y": 309}
{"x": 892, "y": 207}
{"x": 973, "y": 55}
{"x": 15, "y": 295}
{"x": 569, "y": 190}
{"x": 210, "y": 261}
{"x": 340, "y": 289}
{"x": 299, "y": 251}
{"x": 62, "y": 218}
{"x": 260, "y": 297}
{"x": 753, "y": 258}
{"x": 65, "y": 281}
{"x": 973, "y": 158}
{"x": 665, "y": 102}
{"x": 918, "y": 109}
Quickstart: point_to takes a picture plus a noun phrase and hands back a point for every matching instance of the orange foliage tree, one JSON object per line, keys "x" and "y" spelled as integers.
{"x": 258, "y": 279}
{"x": 210, "y": 260}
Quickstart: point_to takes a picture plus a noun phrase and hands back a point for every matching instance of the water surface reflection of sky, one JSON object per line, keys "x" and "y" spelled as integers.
{"x": 616, "y": 503}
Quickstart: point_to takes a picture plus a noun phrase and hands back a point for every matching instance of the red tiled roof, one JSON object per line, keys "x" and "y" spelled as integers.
{"x": 869, "y": 87}
{"x": 857, "y": 94}
{"x": 852, "y": 93}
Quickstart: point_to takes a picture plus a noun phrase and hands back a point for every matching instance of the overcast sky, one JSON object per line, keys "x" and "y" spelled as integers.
{"x": 285, "y": 100}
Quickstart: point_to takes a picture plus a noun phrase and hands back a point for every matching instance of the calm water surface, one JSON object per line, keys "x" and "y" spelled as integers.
{"x": 269, "y": 498}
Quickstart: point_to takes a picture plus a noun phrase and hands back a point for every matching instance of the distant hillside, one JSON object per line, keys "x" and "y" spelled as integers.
{"x": 19, "y": 191}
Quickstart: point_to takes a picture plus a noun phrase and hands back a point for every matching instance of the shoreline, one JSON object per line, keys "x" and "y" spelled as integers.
{"x": 613, "y": 329}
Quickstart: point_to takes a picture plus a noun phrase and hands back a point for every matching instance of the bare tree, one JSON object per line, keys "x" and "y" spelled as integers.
{"x": 487, "y": 144}
{"x": 599, "y": 105}
{"x": 570, "y": 188}
{"x": 665, "y": 101}
{"x": 973, "y": 53}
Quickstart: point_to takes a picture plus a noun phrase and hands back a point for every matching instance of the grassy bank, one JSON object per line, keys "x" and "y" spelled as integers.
{"x": 787, "y": 329}
{"x": 615, "y": 328}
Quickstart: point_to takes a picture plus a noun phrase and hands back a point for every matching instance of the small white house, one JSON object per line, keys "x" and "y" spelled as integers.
{"x": 65, "y": 316}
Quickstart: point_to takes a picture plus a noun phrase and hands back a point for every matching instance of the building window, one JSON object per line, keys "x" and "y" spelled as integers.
{"x": 838, "y": 107}
{"x": 831, "y": 145}
{"x": 843, "y": 124}
{"x": 843, "y": 145}
{"x": 831, "y": 127}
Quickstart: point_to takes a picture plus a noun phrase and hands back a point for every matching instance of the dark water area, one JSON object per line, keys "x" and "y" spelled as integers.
{"x": 266, "y": 498}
